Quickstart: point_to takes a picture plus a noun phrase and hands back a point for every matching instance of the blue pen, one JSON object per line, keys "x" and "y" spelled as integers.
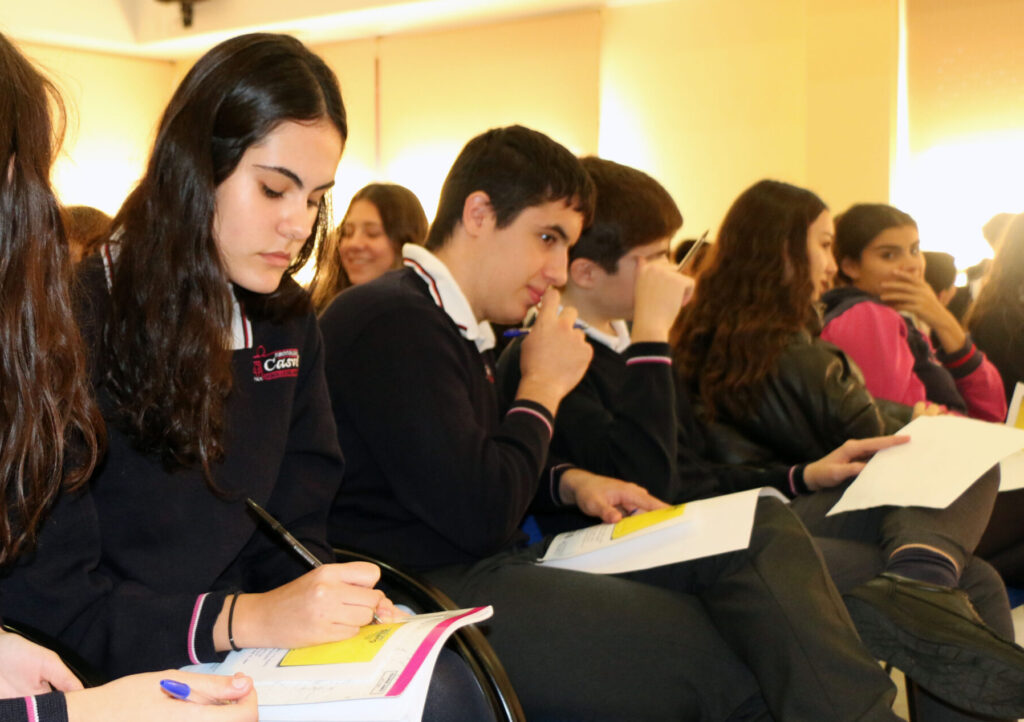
{"x": 517, "y": 332}
{"x": 180, "y": 690}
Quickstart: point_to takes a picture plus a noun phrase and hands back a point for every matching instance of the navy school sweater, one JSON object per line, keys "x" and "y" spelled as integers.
{"x": 133, "y": 571}
{"x": 435, "y": 475}
{"x": 625, "y": 420}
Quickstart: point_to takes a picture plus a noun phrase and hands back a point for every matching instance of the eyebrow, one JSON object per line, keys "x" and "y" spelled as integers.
{"x": 291, "y": 175}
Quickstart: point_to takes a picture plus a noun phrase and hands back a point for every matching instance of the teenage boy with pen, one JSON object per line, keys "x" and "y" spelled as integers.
{"x": 437, "y": 480}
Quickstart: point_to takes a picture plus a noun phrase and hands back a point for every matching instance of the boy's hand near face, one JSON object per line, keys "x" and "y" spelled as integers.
{"x": 555, "y": 355}
{"x": 660, "y": 292}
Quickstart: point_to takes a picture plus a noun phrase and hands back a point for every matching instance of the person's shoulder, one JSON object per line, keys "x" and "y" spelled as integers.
{"x": 806, "y": 354}
{"x": 851, "y": 307}
{"x": 399, "y": 295}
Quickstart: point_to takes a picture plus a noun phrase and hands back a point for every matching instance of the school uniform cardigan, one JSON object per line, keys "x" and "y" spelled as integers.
{"x": 620, "y": 420}
{"x": 133, "y": 571}
{"x": 434, "y": 474}
{"x": 40, "y": 708}
{"x": 627, "y": 420}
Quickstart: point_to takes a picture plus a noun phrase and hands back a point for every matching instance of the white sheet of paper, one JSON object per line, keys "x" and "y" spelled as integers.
{"x": 713, "y": 526}
{"x": 946, "y": 455}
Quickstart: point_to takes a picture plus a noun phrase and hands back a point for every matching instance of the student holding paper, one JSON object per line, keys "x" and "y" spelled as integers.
{"x": 769, "y": 392}
{"x": 51, "y": 431}
{"x": 208, "y": 367}
{"x": 437, "y": 479}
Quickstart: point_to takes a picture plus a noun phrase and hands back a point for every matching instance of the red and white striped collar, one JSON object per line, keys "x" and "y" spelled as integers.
{"x": 241, "y": 326}
{"x": 447, "y": 295}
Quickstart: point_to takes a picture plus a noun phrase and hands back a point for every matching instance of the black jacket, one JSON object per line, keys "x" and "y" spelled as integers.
{"x": 813, "y": 401}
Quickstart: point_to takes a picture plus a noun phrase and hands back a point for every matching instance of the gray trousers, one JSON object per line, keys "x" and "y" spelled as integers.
{"x": 700, "y": 640}
{"x": 857, "y": 544}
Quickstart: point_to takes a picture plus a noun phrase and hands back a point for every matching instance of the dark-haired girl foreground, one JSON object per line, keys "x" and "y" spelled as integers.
{"x": 51, "y": 434}
{"x": 769, "y": 391}
{"x": 207, "y": 364}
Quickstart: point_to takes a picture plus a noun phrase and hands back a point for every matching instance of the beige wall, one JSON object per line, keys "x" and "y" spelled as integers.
{"x": 711, "y": 95}
{"x": 853, "y": 67}
{"x": 707, "y": 95}
{"x": 114, "y": 105}
{"x": 440, "y": 89}
{"x": 965, "y": 145}
{"x": 353, "y": 62}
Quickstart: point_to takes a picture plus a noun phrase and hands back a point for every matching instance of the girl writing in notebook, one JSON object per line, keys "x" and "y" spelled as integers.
{"x": 51, "y": 435}
{"x": 206, "y": 359}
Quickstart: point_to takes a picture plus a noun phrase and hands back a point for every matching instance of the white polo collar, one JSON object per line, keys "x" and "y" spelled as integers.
{"x": 445, "y": 291}
{"x": 241, "y": 326}
{"x": 618, "y": 343}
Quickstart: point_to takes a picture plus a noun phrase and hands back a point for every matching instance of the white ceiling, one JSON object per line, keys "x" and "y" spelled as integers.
{"x": 149, "y": 28}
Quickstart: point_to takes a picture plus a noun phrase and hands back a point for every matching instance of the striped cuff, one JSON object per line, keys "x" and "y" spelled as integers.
{"x": 199, "y": 643}
{"x": 193, "y": 626}
{"x": 534, "y": 409}
{"x": 51, "y": 707}
{"x": 648, "y": 352}
{"x": 797, "y": 485}
{"x": 963, "y": 361}
{"x": 649, "y": 360}
{"x": 555, "y": 482}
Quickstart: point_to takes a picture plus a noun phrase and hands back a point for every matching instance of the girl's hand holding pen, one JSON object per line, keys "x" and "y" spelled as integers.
{"x": 326, "y": 604}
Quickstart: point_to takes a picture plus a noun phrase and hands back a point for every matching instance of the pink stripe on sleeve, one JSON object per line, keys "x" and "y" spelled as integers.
{"x": 649, "y": 360}
{"x": 539, "y": 415}
{"x": 196, "y": 611}
{"x": 31, "y": 709}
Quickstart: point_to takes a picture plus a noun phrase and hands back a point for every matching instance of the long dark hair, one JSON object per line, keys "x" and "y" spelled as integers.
{"x": 403, "y": 219}
{"x": 50, "y": 430}
{"x": 166, "y": 363}
{"x": 1004, "y": 288}
{"x": 751, "y": 299}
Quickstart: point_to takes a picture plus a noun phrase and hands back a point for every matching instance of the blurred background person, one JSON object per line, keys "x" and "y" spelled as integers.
{"x": 381, "y": 218}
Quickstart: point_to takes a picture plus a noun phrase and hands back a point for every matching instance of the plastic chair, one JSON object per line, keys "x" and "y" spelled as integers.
{"x": 468, "y": 642}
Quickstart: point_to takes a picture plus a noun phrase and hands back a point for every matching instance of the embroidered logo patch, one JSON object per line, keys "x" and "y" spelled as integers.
{"x": 270, "y": 365}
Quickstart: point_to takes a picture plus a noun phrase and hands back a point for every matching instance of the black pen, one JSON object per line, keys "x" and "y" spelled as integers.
{"x": 295, "y": 544}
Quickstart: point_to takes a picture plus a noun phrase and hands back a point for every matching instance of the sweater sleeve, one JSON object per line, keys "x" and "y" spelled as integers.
{"x": 632, "y": 438}
{"x": 437, "y": 445}
{"x": 42, "y": 708}
{"x": 978, "y": 381}
{"x": 875, "y": 337}
{"x": 119, "y": 626}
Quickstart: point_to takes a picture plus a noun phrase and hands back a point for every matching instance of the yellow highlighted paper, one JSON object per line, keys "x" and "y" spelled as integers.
{"x": 361, "y": 648}
{"x": 645, "y": 520}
